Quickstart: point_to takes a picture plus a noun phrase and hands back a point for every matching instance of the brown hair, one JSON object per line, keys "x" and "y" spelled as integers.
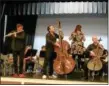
{"x": 43, "y": 47}
{"x": 19, "y": 25}
{"x": 48, "y": 28}
{"x": 78, "y": 28}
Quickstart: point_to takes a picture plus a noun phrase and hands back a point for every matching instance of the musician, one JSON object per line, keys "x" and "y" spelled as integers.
{"x": 42, "y": 53}
{"x": 91, "y": 54}
{"x": 29, "y": 56}
{"x": 43, "y": 49}
{"x": 77, "y": 45}
{"x": 51, "y": 38}
{"x": 17, "y": 46}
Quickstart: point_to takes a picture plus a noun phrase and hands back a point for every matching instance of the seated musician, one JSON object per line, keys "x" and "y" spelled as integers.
{"x": 91, "y": 54}
{"x": 28, "y": 57}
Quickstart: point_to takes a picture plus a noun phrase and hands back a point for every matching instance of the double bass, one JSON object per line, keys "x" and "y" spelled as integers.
{"x": 95, "y": 64}
{"x": 64, "y": 63}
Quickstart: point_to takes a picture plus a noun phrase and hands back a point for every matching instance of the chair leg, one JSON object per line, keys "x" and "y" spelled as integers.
{"x": 102, "y": 77}
{"x": 66, "y": 76}
{"x": 88, "y": 75}
{"x": 76, "y": 59}
{"x": 93, "y": 76}
{"x": 34, "y": 68}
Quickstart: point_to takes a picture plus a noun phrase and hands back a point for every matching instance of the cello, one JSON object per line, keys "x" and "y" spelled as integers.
{"x": 64, "y": 63}
{"x": 95, "y": 64}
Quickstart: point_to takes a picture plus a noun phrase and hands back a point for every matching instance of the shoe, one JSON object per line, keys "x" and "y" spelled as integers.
{"x": 15, "y": 75}
{"x": 54, "y": 76}
{"x": 21, "y": 75}
{"x": 44, "y": 77}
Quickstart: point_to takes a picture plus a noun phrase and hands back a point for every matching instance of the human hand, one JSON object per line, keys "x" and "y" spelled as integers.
{"x": 92, "y": 54}
{"x": 14, "y": 34}
{"x": 56, "y": 44}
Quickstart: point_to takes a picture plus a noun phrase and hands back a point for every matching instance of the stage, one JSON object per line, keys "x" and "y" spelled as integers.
{"x": 10, "y": 80}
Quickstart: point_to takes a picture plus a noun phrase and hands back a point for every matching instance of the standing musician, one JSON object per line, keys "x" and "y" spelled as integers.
{"x": 77, "y": 46}
{"x": 17, "y": 46}
{"x": 91, "y": 54}
{"x": 51, "y": 38}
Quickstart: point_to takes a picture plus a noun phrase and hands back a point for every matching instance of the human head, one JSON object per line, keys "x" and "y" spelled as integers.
{"x": 19, "y": 27}
{"x": 43, "y": 48}
{"x": 78, "y": 28}
{"x": 95, "y": 40}
{"x": 51, "y": 28}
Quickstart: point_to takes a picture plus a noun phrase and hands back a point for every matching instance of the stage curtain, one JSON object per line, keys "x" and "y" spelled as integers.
{"x": 2, "y": 12}
{"x": 44, "y": 8}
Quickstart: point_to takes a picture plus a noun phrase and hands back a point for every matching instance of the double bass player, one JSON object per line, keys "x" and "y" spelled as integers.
{"x": 51, "y": 38}
{"x": 61, "y": 62}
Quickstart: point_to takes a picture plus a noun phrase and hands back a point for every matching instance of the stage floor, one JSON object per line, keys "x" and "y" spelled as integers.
{"x": 10, "y": 80}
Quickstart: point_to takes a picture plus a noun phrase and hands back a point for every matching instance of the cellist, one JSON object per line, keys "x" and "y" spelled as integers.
{"x": 91, "y": 54}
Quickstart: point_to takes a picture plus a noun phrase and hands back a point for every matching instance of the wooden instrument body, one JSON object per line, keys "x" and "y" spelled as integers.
{"x": 95, "y": 64}
{"x": 63, "y": 64}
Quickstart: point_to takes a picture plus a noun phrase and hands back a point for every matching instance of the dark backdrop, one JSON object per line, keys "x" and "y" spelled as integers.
{"x": 29, "y": 23}
{"x": 2, "y": 8}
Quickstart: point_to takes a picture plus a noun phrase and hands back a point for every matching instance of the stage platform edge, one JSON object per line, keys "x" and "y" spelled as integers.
{"x": 11, "y": 80}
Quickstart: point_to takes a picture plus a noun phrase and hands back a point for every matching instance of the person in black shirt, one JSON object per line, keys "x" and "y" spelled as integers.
{"x": 18, "y": 46}
{"x": 51, "y": 38}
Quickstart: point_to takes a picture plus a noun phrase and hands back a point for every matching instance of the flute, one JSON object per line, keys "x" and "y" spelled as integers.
{"x": 10, "y": 34}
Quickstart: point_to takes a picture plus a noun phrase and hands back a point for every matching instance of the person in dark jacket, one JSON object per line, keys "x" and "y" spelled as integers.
{"x": 91, "y": 54}
{"x": 51, "y": 38}
{"x": 18, "y": 46}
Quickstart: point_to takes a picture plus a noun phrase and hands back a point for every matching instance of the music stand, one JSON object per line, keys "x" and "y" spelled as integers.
{"x": 31, "y": 52}
{"x": 42, "y": 54}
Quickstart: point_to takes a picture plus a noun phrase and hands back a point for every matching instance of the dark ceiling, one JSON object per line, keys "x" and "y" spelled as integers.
{"x": 51, "y": 0}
